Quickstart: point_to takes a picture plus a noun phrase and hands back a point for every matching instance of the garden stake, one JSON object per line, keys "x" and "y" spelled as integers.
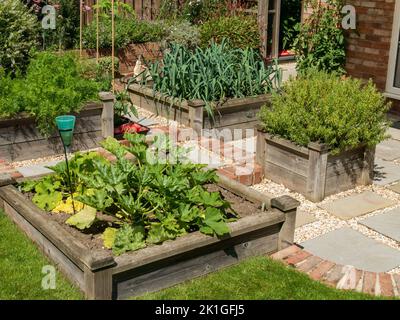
{"x": 65, "y": 125}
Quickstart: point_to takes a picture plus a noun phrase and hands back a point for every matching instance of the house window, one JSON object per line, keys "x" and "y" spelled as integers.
{"x": 393, "y": 74}
{"x": 397, "y": 69}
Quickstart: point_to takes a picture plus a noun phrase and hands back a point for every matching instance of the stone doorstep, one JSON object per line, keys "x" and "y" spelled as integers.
{"x": 339, "y": 276}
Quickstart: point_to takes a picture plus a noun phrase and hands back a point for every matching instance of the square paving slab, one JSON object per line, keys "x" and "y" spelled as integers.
{"x": 388, "y": 150}
{"x": 387, "y": 223}
{"x": 395, "y": 187}
{"x": 357, "y": 205}
{"x": 348, "y": 247}
{"x": 385, "y": 172}
{"x": 303, "y": 218}
{"x": 38, "y": 169}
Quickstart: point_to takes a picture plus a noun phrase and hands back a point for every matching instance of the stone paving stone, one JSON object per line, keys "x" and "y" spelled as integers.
{"x": 388, "y": 150}
{"x": 303, "y": 218}
{"x": 385, "y": 172}
{"x": 395, "y": 187}
{"x": 348, "y": 247}
{"x": 357, "y": 205}
{"x": 37, "y": 170}
{"x": 394, "y": 132}
{"x": 387, "y": 223}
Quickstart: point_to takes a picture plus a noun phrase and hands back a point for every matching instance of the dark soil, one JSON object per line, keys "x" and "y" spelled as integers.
{"x": 91, "y": 237}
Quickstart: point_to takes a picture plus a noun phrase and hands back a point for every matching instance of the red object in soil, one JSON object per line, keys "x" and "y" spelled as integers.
{"x": 130, "y": 127}
{"x": 285, "y": 53}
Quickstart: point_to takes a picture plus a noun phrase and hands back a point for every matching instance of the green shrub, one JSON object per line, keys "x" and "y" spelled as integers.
{"x": 321, "y": 107}
{"x": 212, "y": 74}
{"x": 183, "y": 33}
{"x": 240, "y": 31}
{"x": 320, "y": 42}
{"x": 52, "y": 86}
{"x": 18, "y": 29}
{"x": 127, "y": 30}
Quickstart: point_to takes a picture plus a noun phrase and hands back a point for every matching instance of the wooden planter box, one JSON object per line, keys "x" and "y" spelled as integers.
{"x": 128, "y": 56}
{"x": 313, "y": 171}
{"x": 240, "y": 113}
{"x": 20, "y": 139}
{"x": 102, "y": 276}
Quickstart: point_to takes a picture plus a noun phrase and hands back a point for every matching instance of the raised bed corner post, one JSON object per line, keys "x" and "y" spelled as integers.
{"x": 107, "y": 116}
{"x": 98, "y": 283}
{"x": 287, "y": 205}
{"x": 367, "y": 174}
{"x": 317, "y": 165}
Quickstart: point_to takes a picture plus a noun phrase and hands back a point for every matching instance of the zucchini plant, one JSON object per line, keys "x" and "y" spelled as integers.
{"x": 153, "y": 201}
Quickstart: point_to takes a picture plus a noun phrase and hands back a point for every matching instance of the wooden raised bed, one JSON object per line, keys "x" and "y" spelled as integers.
{"x": 20, "y": 139}
{"x": 102, "y": 276}
{"x": 149, "y": 51}
{"x": 239, "y": 113}
{"x": 313, "y": 171}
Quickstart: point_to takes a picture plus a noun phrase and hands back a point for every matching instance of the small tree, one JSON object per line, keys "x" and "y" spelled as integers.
{"x": 18, "y": 35}
{"x": 320, "y": 42}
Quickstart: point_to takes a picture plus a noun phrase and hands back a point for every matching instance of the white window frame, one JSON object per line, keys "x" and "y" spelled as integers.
{"x": 391, "y": 90}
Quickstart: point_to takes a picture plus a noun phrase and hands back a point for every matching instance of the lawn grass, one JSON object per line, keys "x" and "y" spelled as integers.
{"x": 21, "y": 275}
{"x": 256, "y": 278}
{"x": 21, "y": 266}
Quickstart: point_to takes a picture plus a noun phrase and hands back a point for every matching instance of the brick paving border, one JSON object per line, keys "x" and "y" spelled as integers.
{"x": 339, "y": 276}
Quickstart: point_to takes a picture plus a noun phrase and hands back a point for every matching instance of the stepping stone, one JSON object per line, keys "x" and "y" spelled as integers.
{"x": 388, "y": 150}
{"x": 37, "y": 170}
{"x": 394, "y": 132}
{"x": 395, "y": 187}
{"x": 303, "y": 218}
{"x": 387, "y": 224}
{"x": 357, "y": 205}
{"x": 346, "y": 246}
{"x": 385, "y": 172}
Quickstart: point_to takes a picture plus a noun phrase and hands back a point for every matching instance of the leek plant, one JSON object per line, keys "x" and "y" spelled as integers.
{"x": 213, "y": 74}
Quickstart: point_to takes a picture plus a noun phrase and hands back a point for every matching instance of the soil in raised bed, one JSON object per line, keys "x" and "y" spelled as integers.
{"x": 91, "y": 237}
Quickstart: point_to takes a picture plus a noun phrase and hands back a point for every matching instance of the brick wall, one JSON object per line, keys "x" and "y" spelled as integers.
{"x": 368, "y": 46}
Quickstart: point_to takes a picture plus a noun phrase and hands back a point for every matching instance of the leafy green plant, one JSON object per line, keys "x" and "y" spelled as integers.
{"x": 320, "y": 42}
{"x": 321, "y": 107}
{"x": 52, "y": 86}
{"x": 240, "y": 31}
{"x": 18, "y": 35}
{"x": 153, "y": 201}
{"x": 183, "y": 33}
{"x": 127, "y": 31}
{"x": 212, "y": 74}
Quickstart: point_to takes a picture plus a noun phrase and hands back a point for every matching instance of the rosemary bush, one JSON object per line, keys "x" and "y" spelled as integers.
{"x": 321, "y": 107}
{"x": 212, "y": 74}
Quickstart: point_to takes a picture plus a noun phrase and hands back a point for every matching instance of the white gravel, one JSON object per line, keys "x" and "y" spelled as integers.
{"x": 327, "y": 222}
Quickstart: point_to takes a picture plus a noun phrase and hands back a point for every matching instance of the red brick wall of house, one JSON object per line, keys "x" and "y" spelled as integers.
{"x": 367, "y": 49}
{"x": 368, "y": 46}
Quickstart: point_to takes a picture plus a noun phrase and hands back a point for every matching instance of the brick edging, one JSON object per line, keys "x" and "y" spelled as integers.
{"x": 339, "y": 276}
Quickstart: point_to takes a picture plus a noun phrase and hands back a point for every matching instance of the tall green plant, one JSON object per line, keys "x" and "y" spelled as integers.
{"x": 320, "y": 42}
{"x": 212, "y": 74}
{"x": 18, "y": 27}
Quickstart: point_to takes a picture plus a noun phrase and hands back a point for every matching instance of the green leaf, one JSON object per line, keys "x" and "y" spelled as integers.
{"x": 47, "y": 201}
{"x": 83, "y": 219}
{"x": 108, "y": 237}
{"x": 214, "y": 220}
{"x": 98, "y": 199}
{"x": 129, "y": 238}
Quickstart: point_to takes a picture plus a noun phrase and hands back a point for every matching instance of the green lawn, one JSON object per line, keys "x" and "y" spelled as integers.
{"x": 258, "y": 278}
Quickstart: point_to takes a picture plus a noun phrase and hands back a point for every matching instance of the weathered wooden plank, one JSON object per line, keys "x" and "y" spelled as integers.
{"x": 194, "y": 241}
{"x": 316, "y": 176}
{"x": 245, "y": 192}
{"x": 64, "y": 264}
{"x": 290, "y": 179}
{"x": 165, "y": 274}
{"x": 283, "y": 143}
{"x": 98, "y": 284}
{"x": 285, "y": 158}
{"x": 62, "y": 239}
